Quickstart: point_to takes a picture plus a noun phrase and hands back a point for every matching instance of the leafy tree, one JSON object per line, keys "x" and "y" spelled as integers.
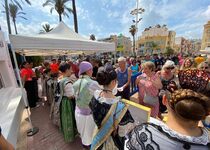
{"x": 92, "y": 37}
{"x": 46, "y": 28}
{"x": 169, "y": 51}
{"x": 37, "y": 60}
{"x": 153, "y": 46}
{"x": 133, "y": 31}
{"x": 59, "y": 6}
{"x": 15, "y": 12}
{"x": 7, "y": 11}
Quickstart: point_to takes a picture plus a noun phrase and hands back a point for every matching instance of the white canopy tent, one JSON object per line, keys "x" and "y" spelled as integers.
{"x": 60, "y": 41}
{"x": 206, "y": 51}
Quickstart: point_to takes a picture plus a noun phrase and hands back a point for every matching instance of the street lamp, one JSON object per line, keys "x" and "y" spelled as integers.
{"x": 136, "y": 13}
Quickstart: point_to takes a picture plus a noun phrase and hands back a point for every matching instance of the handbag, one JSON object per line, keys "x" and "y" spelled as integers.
{"x": 151, "y": 100}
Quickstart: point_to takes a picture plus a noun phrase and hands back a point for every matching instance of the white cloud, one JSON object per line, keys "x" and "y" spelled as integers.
{"x": 115, "y": 2}
{"x": 82, "y": 13}
{"x": 4, "y": 28}
{"x": 113, "y": 14}
{"x": 207, "y": 13}
{"x": 126, "y": 18}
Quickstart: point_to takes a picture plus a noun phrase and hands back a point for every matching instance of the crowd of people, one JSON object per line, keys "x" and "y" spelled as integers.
{"x": 86, "y": 100}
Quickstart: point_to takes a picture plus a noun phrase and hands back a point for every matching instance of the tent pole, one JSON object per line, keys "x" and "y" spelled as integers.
{"x": 32, "y": 130}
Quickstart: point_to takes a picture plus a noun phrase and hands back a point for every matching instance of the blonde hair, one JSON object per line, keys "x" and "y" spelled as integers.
{"x": 192, "y": 63}
{"x": 150, "y": 65}
{"x": 121, "y": 59}
{"x": 202, "y": 64}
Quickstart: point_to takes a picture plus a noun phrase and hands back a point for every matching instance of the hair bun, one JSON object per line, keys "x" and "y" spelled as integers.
{"x": 189, "y": 104}
{"x": 105, "y": 76}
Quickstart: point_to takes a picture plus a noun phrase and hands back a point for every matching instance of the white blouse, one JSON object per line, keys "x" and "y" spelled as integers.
{"x": 68, "y": 90}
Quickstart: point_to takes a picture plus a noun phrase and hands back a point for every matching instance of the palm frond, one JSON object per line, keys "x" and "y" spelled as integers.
{"x": 65, "y": 14}
{"x": 51, "y": 10}
{"x": 21, "y": 13}
{"x": 28, "y": 2}
{"x": 65, "y": 1}
{"x": 23, "y": 17}
{"x": 69, "y": 9}
{"x": 48, "y": 2}
{"x": 3, "y": 5}
{"x": 13, "y": 10}
{"x": 17, "y": 3}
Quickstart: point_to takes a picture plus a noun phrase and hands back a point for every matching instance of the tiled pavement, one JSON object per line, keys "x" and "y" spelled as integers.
{"x": 49, "y": 137}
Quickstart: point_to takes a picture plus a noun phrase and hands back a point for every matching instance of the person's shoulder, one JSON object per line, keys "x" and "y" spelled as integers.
{"x": 158, "y": 73}
{"x": 129, "y": 70}
{"x": 139, "y": 135}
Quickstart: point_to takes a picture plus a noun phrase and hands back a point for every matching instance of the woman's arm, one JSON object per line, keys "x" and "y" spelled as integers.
{"x": 4, "y": 144}
{"x": 157, "y": 82}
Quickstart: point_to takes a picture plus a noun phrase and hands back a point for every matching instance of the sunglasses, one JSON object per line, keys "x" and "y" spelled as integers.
{"x": 170, "y": 68}
{"x": 204, "y": 67}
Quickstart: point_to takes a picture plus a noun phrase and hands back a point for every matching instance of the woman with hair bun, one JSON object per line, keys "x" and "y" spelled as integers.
{"x": 67, "y": 104}
{"x": 181, "y": 131}
{"x": 109, "y": 113}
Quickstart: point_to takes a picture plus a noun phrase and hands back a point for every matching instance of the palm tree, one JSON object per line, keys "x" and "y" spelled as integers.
{"x": 153, "y": 46}
{"x": 92, "y": 37}
{"x": 133, "y": 31}
{"x": 75, "y": 16}
{"x": 7, "y": 11}
{"x": 46, "y": 28}
{"x": 59, "y": 6}
{"x": 14, "y": 13}
{"x": 7, "y": 15}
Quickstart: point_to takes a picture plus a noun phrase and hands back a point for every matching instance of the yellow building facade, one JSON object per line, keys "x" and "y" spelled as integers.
{"x": 154, "y": 40}
{"x": 206, "y": 36}
{"x": 123, "y": 44}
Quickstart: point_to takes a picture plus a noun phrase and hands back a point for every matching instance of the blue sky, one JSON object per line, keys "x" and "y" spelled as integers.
{"x": 106, "y": 17}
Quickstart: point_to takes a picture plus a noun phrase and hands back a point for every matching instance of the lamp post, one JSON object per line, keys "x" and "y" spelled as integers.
{"x": 136, "y": 13}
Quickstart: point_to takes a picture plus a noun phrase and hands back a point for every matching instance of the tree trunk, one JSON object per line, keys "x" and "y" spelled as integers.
{"x": 75, "y": 16}
{"x": 60, "y": 18}
{"x": 134, "y": 52}
{"x": 15, "y": 26}
{"x": 7, "y": 16}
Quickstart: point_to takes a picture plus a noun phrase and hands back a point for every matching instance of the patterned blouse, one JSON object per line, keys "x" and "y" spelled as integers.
{"x": 158, "y": 136}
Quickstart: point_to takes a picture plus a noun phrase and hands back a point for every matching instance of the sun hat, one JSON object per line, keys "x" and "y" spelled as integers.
{"x": 84, "y": 66}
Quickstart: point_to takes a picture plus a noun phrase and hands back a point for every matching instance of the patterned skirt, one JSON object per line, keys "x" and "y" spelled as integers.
{"x": 67, "y": 119}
